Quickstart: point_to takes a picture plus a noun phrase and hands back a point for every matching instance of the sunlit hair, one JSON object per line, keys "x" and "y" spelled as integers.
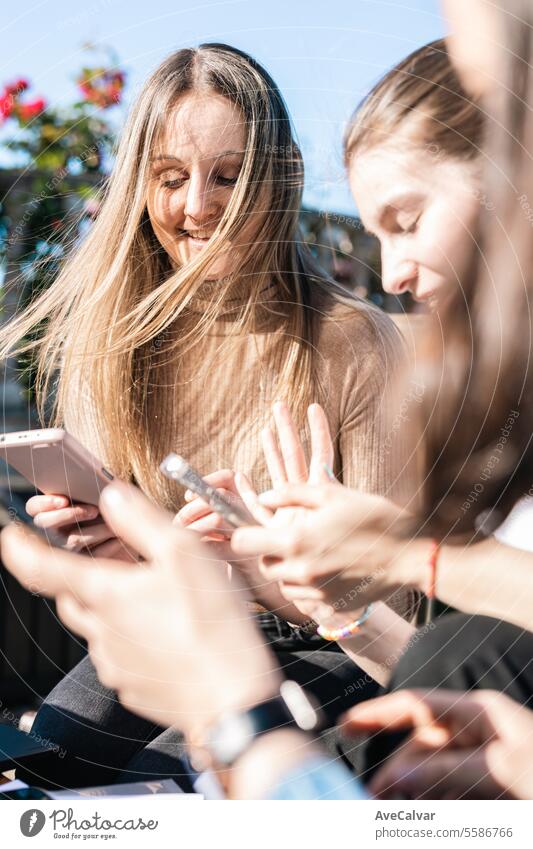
{"x": 420, "y": 102}
{"x": 118, "y": 311}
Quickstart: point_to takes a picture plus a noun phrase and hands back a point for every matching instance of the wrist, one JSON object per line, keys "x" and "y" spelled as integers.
{"x": 237, "y": 698}
{"x": 234, "y": 733}
{"x": 256, "y": 772}
{"x": 412, "y": 564}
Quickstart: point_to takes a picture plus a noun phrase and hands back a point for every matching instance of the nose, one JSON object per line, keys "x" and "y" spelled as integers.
{"x": 398, "y": 275}
{"x": 199, "y": 200}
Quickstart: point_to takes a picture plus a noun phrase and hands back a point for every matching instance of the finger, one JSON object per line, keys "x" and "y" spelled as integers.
{"x": 258, "y": 541}
{"x": 290, "y": 444}
{"x": 139, "y": 522}
{"x": 433, "y": 775}
{"x": 411, "y": 709}
{"x": 288, "y": 571}
{"x": 196, "y": 509}
{"x": 296, "y": 592}
{"x": 212, "y": 523}
{"x": 223, "y": 478}
{"x": 200, "y": 508}
{"x": 298, "y": 495}
{"x": 66, "y": 516}
{"x": 42, "y": 503}
{"x": 322, "y": 451}
{"x": 114, "y": 549}
{"x": 88, "y": 536}
{"x": 249, "y": 496}
{"x": 39, "y": 567}
{"x": 273, "y": 458}
{"x": 76, "y": 617}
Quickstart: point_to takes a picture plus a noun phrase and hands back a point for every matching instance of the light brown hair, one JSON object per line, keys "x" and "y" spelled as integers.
{"x": 421, "y": 99}
{"x": 477, "y": 411}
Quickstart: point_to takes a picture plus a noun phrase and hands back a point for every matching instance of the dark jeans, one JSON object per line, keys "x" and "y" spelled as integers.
{"x": 102, "y": 743}
{"x": 460, "y": 653}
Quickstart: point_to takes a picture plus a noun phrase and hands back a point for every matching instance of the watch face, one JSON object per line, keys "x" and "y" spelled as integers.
{"x": 231, "y": 737}
{"x": 235, "y": 733}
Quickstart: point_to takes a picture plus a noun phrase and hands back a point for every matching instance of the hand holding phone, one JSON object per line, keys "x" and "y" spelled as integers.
{"x": 231, "y": 509}
{"x": 71, "y": 479}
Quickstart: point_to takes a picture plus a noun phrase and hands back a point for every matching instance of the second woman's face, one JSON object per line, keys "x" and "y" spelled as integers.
{"x": 423, "y": 208}
{"x": 194, "y": 170}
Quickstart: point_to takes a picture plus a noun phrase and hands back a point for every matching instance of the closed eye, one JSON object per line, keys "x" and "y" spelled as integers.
{"x": 173, "y": 184}
{"x": 226, "y": 181}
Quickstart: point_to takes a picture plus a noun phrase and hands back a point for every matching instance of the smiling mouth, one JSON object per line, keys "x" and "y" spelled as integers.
{"x": 197, "y": 237}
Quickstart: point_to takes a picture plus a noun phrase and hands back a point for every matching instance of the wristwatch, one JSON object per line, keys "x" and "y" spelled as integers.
{"x": 234, "y": 733}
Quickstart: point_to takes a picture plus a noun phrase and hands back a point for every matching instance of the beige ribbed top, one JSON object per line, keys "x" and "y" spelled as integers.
{"x": 220, "y": 415}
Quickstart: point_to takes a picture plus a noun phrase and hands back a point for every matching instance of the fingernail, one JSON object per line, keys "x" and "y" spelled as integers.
{"x": 330, "y": 473}
{"x": 58, "y": 502}
{"x": 115, "y": 495}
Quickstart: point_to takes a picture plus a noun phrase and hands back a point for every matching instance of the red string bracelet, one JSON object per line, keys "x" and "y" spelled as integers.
{"x": 432, "y": 563}
{"x": 432, "y": 589}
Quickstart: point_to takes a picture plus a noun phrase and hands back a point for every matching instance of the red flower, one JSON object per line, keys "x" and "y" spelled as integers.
{"x": 6, "y": 107}
{"x": 27, "y": 111}
{"x": 16, "y": 88}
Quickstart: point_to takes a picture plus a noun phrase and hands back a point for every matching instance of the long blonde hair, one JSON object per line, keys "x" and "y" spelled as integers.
{"x": 117, "y": 293}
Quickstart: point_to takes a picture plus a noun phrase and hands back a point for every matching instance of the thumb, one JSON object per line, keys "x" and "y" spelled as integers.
{"x": 134, "y": 518}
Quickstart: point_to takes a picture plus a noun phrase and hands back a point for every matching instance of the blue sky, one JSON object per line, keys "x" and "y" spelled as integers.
{"x": 324, "y": 55}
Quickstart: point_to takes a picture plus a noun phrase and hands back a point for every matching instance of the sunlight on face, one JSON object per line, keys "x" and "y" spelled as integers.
{"x": 422, "y": 208}
{"x": 194, "y": 170}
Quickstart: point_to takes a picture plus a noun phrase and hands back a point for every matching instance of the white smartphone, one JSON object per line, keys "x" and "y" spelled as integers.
{"x": 55, "y": 463}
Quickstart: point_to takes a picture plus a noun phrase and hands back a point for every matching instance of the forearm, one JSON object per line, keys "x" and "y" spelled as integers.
{"x": 485, "y": 578}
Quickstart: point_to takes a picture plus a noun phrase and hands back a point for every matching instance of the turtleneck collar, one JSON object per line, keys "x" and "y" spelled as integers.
{"x": 237, "y": 296}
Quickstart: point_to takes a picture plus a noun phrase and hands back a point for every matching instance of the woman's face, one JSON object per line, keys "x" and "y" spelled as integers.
{"x": 422, "y": 207}
{"x": 193, "y": 172}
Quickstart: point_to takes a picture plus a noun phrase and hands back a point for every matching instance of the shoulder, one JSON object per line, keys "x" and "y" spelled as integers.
{"x": 351, "y": 328}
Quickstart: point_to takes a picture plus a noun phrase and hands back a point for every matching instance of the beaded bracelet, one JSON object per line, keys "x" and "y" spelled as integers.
{"x": 335, "y": 634}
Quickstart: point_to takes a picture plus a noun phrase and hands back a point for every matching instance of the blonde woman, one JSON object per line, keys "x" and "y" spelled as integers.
{"x": 193, "y": 304}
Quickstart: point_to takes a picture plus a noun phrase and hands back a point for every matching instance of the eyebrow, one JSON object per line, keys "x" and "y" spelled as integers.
{"x": 170, "y": 157}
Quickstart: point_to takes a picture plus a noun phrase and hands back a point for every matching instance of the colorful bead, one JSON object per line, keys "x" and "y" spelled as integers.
{"x": 336, "y": 634}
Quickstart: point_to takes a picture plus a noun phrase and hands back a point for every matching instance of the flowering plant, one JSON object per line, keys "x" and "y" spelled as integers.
{"x": 49, "y": 138}
{"x": 101, "y": 86}
{"x": 12, "y": 106}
